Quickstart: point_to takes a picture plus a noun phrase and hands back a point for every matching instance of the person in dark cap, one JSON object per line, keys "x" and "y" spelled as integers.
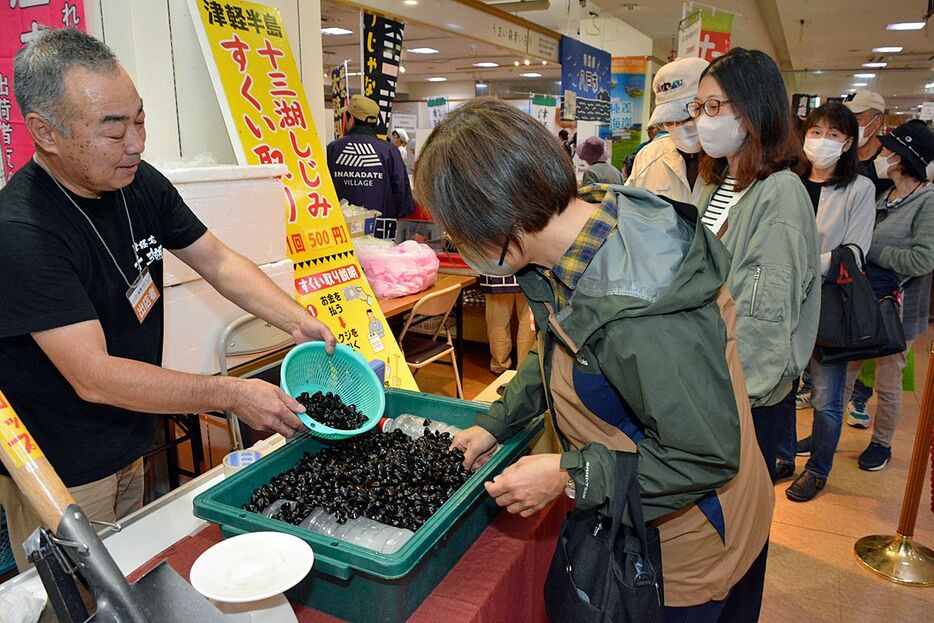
{"x": 367, "y": 171}
{"x": 903, "y": 243}
{"x": 593, "y": 152}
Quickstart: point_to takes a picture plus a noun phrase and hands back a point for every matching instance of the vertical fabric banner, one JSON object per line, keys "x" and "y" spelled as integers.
{"x": 627, "y": 103}
{"x": 544, "y": 108}
{"x": 259, "y": 90}
{"x": 437, "y": 109}
{"x": 382, "y": 53}
{"x": 339, "y": 100}
{"x": 706, "y": 33}
{"x": 585, "y": 81}
{"x": 22, "y": 21}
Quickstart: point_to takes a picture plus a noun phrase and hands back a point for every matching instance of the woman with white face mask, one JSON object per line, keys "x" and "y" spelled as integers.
{"x": 669, "y": 165}
{"x": 844, "y": 204}
{"x": 760, "y": 210}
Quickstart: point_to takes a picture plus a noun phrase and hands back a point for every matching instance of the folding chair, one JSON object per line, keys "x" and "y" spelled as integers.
{"x": 421, "y": 351}
{"x": 245, "y": 336}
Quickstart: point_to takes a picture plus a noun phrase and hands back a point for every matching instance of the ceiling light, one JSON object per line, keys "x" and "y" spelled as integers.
{"x": 437, "y": 79}
{"x": 888, "y": 49}
{"x": 353, "y": 73}
{"x": 401, "y": 69}
{"x": 864, "y": 75}
{"x": 423, "y": 50}
{"x": 859, "y": 84}
{"x": 410, "y": 2}
{"x": 874, "y": 65}
{"x": 905, "y": 26}
{"x": 516, "y": 63}
{"x": 929, "y": 85}
{"x": 486, "y": 64}
{"x": 527, "y": 62}
{"x": 531, "y": 74}
{"x": 544, "y": 62}
{"x": 817, "y": 72}
{"x": 336, "y": 31}
{"x": 482, "y": 85}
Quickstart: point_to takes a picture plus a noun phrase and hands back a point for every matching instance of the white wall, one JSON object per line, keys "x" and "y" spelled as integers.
{"x": 156, "y": 42}
{"x": 452, "y": 89}
{"x": 620, "y": 39}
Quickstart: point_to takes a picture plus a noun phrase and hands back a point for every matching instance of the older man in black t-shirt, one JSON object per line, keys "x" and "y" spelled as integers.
{"x": 83, "y": 229}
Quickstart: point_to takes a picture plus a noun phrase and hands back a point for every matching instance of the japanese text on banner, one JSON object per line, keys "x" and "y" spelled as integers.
{"x": 259, "y": 88}
{"x": 22, "y": 21}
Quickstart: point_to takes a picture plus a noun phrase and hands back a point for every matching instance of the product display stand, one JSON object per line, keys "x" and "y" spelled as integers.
{"x": 898, "y": 558}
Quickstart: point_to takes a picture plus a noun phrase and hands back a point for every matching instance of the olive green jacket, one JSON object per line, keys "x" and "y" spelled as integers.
{"x": 644, "y": 315}
{"x": 775, "y": 281}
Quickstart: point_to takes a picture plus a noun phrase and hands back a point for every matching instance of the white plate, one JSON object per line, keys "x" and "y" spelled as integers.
{"x": 251, "y": 567}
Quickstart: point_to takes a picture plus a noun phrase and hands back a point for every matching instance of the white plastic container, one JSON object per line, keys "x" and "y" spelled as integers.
{"x": 415, "y": 426}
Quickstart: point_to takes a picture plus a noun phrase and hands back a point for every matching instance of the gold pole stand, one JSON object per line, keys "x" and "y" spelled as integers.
{"x": 897, "y": 558}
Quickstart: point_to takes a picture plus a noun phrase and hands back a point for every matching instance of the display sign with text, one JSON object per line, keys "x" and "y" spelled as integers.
{"x": 382, "y": 54}
{"x": 585, "y": 82}
{"x": 22, "y": 21}
{"x": 261, "y": 97}
{"x": 707, "y": 33}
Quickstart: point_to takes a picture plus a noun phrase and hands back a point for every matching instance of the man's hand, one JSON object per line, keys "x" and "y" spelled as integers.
{"x": 264, "y": 406}
{"x": 528, "y": 485}
{"x": 309, "y": 329}
{"x": 474, "y": 442}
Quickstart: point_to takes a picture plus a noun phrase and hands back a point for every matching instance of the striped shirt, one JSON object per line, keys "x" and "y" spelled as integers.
{"x": 720, "y": 203}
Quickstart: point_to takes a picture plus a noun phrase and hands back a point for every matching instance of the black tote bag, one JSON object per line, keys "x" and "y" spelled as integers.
{"x": 603, "y": 571}
{"x": 850, "y": 318}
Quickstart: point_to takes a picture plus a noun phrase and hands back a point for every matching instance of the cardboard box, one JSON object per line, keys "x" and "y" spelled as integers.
{"x": 244, "y": 206}
{"x": 196, "y": 315}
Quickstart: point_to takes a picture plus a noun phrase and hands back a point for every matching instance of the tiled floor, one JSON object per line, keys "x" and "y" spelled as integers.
{"x": 813, "y": 576}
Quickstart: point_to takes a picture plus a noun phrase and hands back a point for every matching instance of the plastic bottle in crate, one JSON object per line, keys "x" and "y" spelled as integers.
{"x": 415, "y": 426}
{"x": 362, "y": 531}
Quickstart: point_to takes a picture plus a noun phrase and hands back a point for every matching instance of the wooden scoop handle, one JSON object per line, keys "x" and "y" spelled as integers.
{"x": 29, "y": 468}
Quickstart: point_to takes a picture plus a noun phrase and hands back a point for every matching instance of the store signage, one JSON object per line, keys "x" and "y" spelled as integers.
{"x": 545, "y": 108}
{"x": 438, "y": 107}
{"x": 706, "y": 33}
{"x": 585, "y": 81}
{"x": 339, "y": 100}
{"x": 257, "y": 83}
{"x": 927, "y": 111}
{"x": 627, "y": 103}
{"x": 22, "y": 21}
{"x": 382, "y": 51}
{"x": 544, "y": 47}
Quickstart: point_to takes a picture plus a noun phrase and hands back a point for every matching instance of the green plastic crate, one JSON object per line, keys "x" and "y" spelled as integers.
{"x": 355, "y": 583}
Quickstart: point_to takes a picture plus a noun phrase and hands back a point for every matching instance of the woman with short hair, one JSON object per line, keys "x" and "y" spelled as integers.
{"x": 636, "y": 351}
{"x": 844, "y": 205}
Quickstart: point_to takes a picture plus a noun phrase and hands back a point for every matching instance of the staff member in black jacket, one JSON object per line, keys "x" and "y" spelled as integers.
{"x": 367, "y": 171}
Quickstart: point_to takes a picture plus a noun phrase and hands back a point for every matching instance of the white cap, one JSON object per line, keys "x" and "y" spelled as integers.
{"x": 675, "y": 85}
{"x": 402, "y": 134}
{"x": 863, "y": 100}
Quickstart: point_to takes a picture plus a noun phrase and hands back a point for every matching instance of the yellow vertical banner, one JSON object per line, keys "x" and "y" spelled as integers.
{"x": 260, "y": 93}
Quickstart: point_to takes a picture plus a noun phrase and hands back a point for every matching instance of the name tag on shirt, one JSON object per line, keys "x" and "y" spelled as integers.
{"x": 143, "y": 295}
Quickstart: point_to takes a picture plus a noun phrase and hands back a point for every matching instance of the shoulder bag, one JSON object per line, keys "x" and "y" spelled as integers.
{"x": 604, "y": 571}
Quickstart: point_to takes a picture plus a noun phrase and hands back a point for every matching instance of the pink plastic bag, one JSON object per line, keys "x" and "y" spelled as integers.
{"x": 397, "y": 270}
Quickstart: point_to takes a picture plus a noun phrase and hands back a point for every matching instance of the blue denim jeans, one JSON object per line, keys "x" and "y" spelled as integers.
{"x": 828, "y": 398}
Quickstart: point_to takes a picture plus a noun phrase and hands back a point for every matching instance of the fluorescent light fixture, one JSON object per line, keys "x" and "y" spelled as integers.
{"x": 817, "y": 72}
{"x": 864, "y": 75}
{"x": 888, "y": 49}
{"x": 336, "y": 31}
{"x": 486, "y": 64}
{"x": 353, "y": 73}
{"x": 437, "y": 79}
{"x": 929, "y": 85}
{"x": 906, "y": 26}
{"x": 874, "y": 65}
{"x": 531, "y": 74}
{"x": 859, "y": 84}
{"x": 410, "y": 2}
{"x": 423, "y": 50}
{"x": 482, "y": 85}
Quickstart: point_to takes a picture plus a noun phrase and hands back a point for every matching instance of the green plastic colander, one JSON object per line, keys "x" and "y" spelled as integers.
{"x": 346, "y": 373}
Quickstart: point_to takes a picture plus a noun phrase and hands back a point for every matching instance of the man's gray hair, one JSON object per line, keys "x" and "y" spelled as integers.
{"x": 39, "y": 71}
